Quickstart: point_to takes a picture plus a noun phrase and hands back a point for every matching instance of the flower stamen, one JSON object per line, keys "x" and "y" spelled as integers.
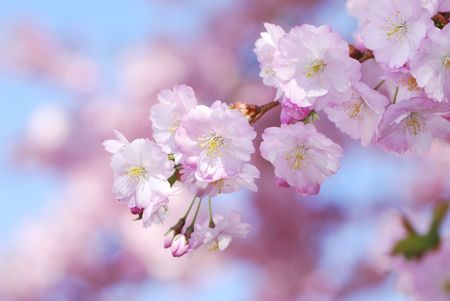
{"x": 446, "y": 61}
{"x": 136, "y": 172}
{"x": 315, "y": 67}
{"x": 212, "y": 143}
{"x": 296, "y": 157}
{"x": 414, "y": 124}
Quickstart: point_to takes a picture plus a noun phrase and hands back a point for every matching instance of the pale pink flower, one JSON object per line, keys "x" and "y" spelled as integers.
{"x": 444, "y": 5}
{"x": 395, "y": 30}
{"x": 220, "y": 237}
{"x": 431, "y": 5}
{"x": 215, "y": 140}
{"x": 141, "y": 170}
{"x": 166, "y": 115}
{"x": 245, "y": 178}
{"x": 265, "y": 48}
{"x": 115, "y": 145}
{"x": 411, "y": 125}
{"x": 301, "y": 156}
{"x": 431, "y": 66}
{"x": 313, "y": 62}
{"x": 360, "y": 116}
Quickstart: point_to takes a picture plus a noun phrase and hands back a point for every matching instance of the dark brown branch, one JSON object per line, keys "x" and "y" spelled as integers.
{"x": 359, "y": 55}
{"x": 259, "y": 111}
{"x": 440, "y": 19}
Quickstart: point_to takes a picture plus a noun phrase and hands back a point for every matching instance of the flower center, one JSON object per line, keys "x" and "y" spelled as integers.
{"x": 296, "y": 157}
{"x": 213, "y": 246}
{"x": 446, "y": 61}
{"x": 414, "y": 123}
{"x": 136, "y": 172}
{"x": 396, "y": 29}
{"x": 355, "y": 110}
{"x": 212, "y": 143}
{"x": 411, "y": 84}
{"x": 315, "y": 67}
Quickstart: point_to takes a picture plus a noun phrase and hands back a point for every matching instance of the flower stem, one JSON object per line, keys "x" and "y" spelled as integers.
{"x": 259, "y": 111}
{"x": 196, "y": 213}
{"x": 211, "y": 221}
{"x": 395, "y": 95}
{"x": 379, "y": 85}
{"x": 190, "y": 207}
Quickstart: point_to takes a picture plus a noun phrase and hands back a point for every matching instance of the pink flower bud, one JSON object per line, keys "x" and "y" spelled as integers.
{"x": 291, "y": 112}
{"x": 169, "y": 239}
{"x": 136, "y": 210}
{"x": 179, "y": 246}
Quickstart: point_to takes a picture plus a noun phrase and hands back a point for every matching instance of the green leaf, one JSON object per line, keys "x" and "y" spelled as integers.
{"x": 173, "y": 178}
{"x": 415, "y": 245}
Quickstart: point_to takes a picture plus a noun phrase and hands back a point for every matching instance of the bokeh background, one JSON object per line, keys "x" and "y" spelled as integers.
{"x": 71, "y": 71}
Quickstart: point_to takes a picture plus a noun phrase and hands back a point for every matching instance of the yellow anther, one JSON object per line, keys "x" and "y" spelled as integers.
{"x": 296, "y": 157}
{"x": 315, "y": 67}
{"x": 414, "y": 124}
{"x": 446, "y": 62}
{"x": 355, "y": 110}
{"x": 213, "y": 246}
{"x": 136, "y": 172}
{"x": 411, "y": 84}
{"x": 212, "y": 143}
{"x": 396, "y": 29}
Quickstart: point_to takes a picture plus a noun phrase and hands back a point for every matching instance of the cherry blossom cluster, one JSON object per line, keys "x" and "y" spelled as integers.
{"x": 206, "y": 150}
{"x": 390, "y": 89}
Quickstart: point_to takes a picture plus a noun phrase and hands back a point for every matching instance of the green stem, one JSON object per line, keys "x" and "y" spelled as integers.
{"x": 196, "y": 213}
{"x": 379, "y": 85}
{"x": 395, "y": 95}
{"x": 211, "y": 221}
{"x": 190, "y": 207}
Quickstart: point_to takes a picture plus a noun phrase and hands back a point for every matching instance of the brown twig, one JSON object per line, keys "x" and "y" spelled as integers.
{"x": 359, "y": 55}
{"x": 258, "y": 111}
{"x": 440, "y": 19}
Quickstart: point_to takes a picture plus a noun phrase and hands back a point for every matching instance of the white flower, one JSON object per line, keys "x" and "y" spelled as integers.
{"x": 141, "y": 170}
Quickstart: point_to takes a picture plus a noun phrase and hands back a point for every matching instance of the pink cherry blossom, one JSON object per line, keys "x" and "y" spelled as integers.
{"x": 431, "y": 66}
{"x": 411, "y": 125}
{"x": 313, "y": 62}
{"x": 265, "y": 48}
{"x": 360, "y": 115}
{"x": 141, "y": 170}
{"x": 395, "y": 29}
{"x": 220, "y": 237}
{"x": 301, "y": 156}
{"x": 166, "y": 115}
{"x": 215, "y": 140}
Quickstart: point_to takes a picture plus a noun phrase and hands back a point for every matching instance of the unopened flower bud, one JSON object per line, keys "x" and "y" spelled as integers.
{"x": 168, "y": 239}
{"x": 179, "y": 246}
{"x": 136, "y": 210}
